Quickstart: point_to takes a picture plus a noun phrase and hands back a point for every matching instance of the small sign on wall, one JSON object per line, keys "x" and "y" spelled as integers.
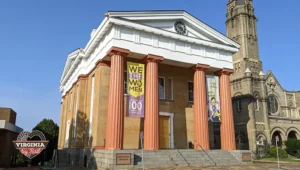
{"x": 246, "y": 157}
{"x": 123, "y": 159}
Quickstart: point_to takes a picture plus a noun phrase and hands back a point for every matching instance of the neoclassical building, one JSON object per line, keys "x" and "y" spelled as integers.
{"x": 263, "y": 109}
{"x": 171, "y": 79}
{"x": 182, "y": 61}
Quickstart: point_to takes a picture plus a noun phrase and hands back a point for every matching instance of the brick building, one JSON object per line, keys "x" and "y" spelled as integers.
{"x": 187, "y": 65}
{"x": 8, "y": 132}
{"x": 180, "y": 53}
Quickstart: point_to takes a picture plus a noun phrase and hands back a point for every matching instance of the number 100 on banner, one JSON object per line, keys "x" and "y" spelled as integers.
{"x": 135, "y": 89}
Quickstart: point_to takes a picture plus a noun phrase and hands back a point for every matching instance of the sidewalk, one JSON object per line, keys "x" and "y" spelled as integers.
{"x": 255, "y": 166}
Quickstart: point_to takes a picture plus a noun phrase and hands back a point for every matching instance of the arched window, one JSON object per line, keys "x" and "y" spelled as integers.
{"x": 272, "y": 104}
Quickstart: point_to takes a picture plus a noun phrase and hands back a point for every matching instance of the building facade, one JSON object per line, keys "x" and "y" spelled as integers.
{"x": 263, "y": 109}
{"x": 8, "y": 132}
{"x": 179, "y": 52}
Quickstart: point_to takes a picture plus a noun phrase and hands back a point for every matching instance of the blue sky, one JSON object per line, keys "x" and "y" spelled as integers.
{"x": 36, "y": 37}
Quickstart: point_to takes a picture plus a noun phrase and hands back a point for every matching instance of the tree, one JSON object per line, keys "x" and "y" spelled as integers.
{"x": 50, "y": 130}
{"x": 293, "y": 147}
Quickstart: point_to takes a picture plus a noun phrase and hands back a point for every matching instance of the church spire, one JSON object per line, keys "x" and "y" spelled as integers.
{"x": 241, "y": 27}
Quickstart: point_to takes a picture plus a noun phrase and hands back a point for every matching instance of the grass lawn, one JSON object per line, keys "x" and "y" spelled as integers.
{"x": 280, "y": 159}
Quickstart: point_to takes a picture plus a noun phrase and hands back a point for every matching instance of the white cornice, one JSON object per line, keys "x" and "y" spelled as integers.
{"x": 171, "y": 34}
{"x": 72, "y": 67}
{"x": 119, "y": 18}
{"x": 71, "y": 56}
{"x": 156, "y": 15}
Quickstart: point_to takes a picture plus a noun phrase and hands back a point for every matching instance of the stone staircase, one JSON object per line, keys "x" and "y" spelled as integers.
{"x": 107, "y": 159}
{"x": 154, "y": 159}
{"x": 202, "y": 158}
{"x": 185, "y": 157}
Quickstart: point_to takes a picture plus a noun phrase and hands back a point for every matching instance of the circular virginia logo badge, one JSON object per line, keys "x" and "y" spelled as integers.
{"x": 31, "y": 144}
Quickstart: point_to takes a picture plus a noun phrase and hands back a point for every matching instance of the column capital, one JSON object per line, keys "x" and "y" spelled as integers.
{"x": 200, "y": 67}
{"x": 224, "y": 71}
{"x": 74, "y": 84}
{"x": 102, "y": 63}
{"x": 153, "y": 58}
{"x": 82, "y": 77}
{"x": 118, "y": 51}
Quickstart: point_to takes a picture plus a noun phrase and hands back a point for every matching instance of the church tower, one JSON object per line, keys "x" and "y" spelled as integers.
{"x": 247, "y": 82}
{"x": 241, "y": 27}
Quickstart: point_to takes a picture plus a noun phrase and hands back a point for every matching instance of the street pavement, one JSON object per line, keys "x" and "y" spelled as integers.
{"x": 260, "y": 166}
{"x": 256, "y": 166}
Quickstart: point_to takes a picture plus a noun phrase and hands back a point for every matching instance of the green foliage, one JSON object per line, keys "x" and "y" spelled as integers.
{"x": 293, "y": 147}
{"x": 50, "y": 130}
{"x": 20, "y": 160}
{"x": 263, "y": 151}
{"x": 282, "y": 153}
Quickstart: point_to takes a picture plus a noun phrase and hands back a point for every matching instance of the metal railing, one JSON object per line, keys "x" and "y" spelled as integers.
{"x": 181, "y": 155}
{"x": 205, "y": 152}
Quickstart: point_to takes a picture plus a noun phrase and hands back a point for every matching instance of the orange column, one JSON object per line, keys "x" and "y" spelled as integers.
{"x": 201, "y": 132}
{"x": 151, "y": 125}
{"x": 115, "y": 114}
{"x": 227, "y": 121}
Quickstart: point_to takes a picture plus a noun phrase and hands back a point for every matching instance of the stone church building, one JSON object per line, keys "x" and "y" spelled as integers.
{"x": 263, "y": 109}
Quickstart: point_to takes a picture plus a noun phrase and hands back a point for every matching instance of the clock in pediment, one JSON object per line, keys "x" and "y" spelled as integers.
{"x": 180, "y": 27}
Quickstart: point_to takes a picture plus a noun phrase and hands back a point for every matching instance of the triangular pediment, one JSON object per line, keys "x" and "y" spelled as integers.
{"x": 272, "y": 80}
{"x": 72, "y": 58}
{"x": 166, "y": 20}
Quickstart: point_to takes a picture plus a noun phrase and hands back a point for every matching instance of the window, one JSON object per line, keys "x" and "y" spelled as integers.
{"x": 161, "y": 87}
{"x": 76, "y": 110}
{"x": 92, "y": 106}
{"x": 256, "y": 104}
{"x": 125, "y": 82}
{"x": 239, "y": 105}
{"x": 169, "y": 89}
{"x": 272, "y": 104}
{"x": 191, "y": 91}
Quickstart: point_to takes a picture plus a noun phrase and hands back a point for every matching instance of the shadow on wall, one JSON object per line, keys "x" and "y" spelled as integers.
{"x": 81, "y": 139}
{"x": 242, "y": 108}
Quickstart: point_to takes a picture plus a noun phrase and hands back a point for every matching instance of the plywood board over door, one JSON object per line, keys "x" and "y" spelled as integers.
{"x": 164, "y": 132}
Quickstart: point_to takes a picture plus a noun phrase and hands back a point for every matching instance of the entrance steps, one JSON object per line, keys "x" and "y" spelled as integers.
{"x": 185, "y": 157}
{"x": 107, "y": 159}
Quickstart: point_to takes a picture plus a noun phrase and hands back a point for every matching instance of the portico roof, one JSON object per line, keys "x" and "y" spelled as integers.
{"x": 155, "y": 32}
